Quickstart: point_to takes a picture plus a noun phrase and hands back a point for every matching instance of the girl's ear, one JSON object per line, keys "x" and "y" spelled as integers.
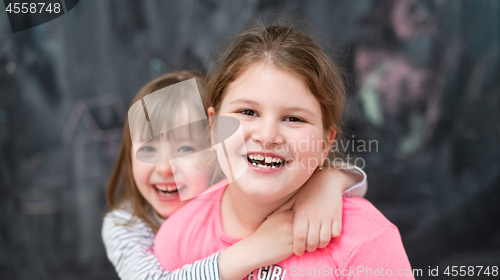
{"x": 330, "y": 137}
{"x": 211, "y": 114}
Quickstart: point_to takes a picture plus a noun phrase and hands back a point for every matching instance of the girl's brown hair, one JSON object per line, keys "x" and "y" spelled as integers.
{"x": 121, "y": 190}
{"x": 288, "y": 50}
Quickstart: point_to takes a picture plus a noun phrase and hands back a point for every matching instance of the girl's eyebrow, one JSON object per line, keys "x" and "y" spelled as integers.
{"x": 243, "y": 100}
{"x": 300, "y": 109}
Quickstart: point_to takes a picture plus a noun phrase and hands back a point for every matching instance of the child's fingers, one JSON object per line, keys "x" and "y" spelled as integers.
{"x": 313, "y": 236}
{"x": 337, "y": 226}
{"x": 337, "y": 221}
{"x": 325, "y": 234}
{"x": 300, "y": 228}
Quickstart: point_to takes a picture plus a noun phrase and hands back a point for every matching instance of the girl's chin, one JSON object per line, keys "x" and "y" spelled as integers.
{"x": 268, "y": 191}
{"x": 167, "y": 210}
{"x": 262, "y": 193}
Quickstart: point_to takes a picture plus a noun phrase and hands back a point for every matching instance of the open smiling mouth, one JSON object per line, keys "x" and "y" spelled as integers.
{"x": 168, "y": 191}
{"x": 265, "y": 161}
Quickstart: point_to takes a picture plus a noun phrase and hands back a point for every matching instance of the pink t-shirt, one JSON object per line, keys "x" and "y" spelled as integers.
{"x": 370, "y": 246}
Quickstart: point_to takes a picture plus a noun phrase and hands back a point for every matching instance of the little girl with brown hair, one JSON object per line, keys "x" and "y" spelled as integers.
{"x": 284, "y": 90}
{"x": 142, "y": 195}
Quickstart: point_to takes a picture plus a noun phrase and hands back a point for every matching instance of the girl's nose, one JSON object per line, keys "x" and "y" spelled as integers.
{"x": 165, "y": 169}
{"x": 267, "y": 133}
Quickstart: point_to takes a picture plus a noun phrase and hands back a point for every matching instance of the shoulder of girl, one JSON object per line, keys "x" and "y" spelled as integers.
{"x": 122, "y": 218}
{"x": 361, "y": 223}
{"x": 118, "y": 215}
{"x": 361, "y": 215}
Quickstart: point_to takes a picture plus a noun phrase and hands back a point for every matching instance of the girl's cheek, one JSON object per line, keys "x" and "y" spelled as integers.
{"x": 142, "y": 171}
{"x": 247, "y": 126}
{"x": 306, "y": 144}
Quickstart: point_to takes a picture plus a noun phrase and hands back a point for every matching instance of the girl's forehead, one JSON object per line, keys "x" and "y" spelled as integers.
{"x": 265, "y": 71}
{"x": 187, "y": 124}
{"x": 267, "y": 84}
{"x": 163, "y": 110}
{"x": 184, "y": 114}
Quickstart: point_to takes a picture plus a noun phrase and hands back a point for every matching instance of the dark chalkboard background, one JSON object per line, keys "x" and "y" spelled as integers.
{"x": 424, "y": 83}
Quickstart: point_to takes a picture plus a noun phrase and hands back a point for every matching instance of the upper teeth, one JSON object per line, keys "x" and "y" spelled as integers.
{"x": 165, "y": 188}
{"x": 267, "y": 159}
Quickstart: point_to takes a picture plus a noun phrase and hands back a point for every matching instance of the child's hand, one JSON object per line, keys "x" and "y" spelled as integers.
{"x": 271, "y": 243}
{"x": 318, "y": 210}
{"x": 273, "y": 240}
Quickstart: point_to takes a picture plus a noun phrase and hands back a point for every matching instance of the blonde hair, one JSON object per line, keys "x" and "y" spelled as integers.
{"x": 121, "y": 187}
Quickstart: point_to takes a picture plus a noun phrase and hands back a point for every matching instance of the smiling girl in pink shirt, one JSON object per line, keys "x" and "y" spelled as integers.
{"x": 287, "y": 94}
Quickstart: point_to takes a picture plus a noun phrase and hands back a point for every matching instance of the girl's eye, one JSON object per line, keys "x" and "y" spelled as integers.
{"x": 248, "y": 112}
{"x": 148, "y": 149}
{"x": 186, "y": 149}
{"x": 294, "y": 119}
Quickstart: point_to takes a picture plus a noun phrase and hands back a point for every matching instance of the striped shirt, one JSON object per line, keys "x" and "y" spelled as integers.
{"x": 130, "y": 247}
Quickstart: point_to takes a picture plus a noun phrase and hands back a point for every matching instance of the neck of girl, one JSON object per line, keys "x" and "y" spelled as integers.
{"x": 242, "y": 216}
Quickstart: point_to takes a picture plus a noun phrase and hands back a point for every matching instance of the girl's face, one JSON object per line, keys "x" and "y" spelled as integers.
{"x": 283, "y": 130}
{"x": 167, "y": 185}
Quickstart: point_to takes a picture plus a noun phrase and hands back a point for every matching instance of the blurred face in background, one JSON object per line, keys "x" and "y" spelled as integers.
{"x": 167, "y": 186}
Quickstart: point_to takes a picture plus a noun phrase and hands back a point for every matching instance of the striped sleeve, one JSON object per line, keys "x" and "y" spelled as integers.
{"x": 359, "y": 189}
{"x": 130, "y": 250}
